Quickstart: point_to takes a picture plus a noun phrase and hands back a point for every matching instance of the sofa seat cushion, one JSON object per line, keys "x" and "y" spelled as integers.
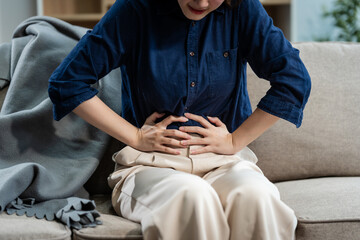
{"x": 326, "y": 208}
{"x": 103, "y": 204}
{"x": 22, "y": 227}
{"x": 113, "y": 227}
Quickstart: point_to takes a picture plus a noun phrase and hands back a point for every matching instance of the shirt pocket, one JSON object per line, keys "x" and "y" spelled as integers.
{"x": 222, "y": 69}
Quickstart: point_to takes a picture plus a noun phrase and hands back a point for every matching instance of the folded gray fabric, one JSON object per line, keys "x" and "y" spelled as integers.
{"x": 40, "y": 158}
{"x": 73, "y": 212}
{"x": 47, "y": 209}
{"x": 77, "y": 214}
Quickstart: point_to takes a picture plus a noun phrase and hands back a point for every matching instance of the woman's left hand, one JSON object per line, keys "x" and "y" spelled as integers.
{"x": 216, "y": 139}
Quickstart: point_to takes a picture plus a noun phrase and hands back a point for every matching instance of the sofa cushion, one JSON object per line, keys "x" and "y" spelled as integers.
{"x": 326, "y": 208}
{"x": 327, "y": 143}
{"x": 103, "y": 204}
{"x": 22, "y": 227}
{"x": 113, "y": 227}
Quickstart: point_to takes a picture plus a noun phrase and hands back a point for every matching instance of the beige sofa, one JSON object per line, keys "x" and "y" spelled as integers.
{"x": 316, "y": 167}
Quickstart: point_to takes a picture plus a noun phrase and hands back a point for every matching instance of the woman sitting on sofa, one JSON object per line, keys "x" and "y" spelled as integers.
{"x": 186, "y": 172}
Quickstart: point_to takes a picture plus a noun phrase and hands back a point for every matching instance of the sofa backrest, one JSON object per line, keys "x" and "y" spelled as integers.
{"x": 328, "y": 142}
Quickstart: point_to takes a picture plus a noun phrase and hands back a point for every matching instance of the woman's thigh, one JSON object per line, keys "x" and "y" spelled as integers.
{"x": 239, "y": 176}
{"x": 152, "y": 187}
{"x": 251, "y": 203}
{"x": 171, "y": 203}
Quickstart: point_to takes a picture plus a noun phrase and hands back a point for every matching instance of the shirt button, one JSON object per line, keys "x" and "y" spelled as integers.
{"x": 226, "y": 54}
{"x": 192, "y": 54}
{"x": 193, "y": 24}
{"x": 192, "y": 84}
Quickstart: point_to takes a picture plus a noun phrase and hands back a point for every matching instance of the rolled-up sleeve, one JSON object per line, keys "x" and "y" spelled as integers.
{"x": 273, "y": 58}
{"x": 98, "y": 52}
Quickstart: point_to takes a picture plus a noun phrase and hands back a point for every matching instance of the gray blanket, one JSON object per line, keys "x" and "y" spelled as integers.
{"x": 41, "y": 159}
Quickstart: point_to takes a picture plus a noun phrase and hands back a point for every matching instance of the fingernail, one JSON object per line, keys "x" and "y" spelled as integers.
{"x": 181, "y": 128}
{"x": 183, "y": 142}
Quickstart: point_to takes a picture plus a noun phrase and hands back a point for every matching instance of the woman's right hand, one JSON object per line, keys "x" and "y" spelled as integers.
{"x": 155, "y": 137}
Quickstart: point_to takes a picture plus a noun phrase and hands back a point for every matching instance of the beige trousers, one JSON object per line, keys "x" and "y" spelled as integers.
{"x": 193, "y": 197}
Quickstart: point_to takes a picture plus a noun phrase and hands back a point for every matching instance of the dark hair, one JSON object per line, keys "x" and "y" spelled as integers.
{"x": 232, "y": 3}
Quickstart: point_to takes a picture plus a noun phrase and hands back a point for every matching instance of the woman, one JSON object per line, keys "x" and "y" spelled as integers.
{"x": 186, "y": 172}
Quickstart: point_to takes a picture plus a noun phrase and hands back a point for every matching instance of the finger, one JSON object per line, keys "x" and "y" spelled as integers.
{"x": 169, "y": 150}
{"x": 170, "y": 119}
{"x": 171, "y": 142}
{"x": 198, "y": 119}
{"x": 152, "y": 118}
{"x": 193, "y": 129}
{"x": 195, "y": 141}
{"x": 205, "y": 149}
{"x": 216, "y": 121}
{"x": 176, "y": 133}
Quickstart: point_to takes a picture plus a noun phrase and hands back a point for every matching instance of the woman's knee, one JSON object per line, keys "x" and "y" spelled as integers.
{"x": 194, "y": 212}
{"x": 255, "y": 193}
{"x": 195, "y": 190}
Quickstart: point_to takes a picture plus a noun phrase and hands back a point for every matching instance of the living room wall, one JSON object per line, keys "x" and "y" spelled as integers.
{"x": 13, "y": 12}
{"x": 308, "y": 24}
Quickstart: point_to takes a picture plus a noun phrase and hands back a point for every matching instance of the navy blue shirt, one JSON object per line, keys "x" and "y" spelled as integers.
{"x": 173, "y": 65}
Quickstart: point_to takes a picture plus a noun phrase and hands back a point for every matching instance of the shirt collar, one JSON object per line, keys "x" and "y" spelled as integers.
{"x": 165, "y": 7}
